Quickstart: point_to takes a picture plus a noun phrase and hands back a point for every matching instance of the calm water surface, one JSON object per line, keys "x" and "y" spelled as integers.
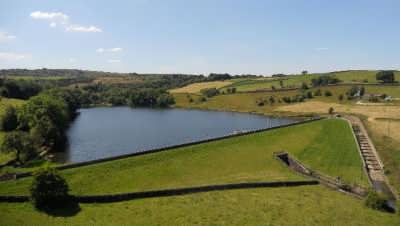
{"x": 104, "y": 132}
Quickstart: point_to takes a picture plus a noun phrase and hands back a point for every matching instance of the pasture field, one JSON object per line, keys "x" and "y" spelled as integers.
{"x": 303, "y": 206}
{"x": 326, "y": 146}
{"x": 196, "y": 87}
{"x": 293, "y": 81}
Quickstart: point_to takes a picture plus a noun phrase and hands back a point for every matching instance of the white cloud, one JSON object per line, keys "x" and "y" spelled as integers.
{"x": 112, "y": 50}
{"x": 56, "y": 18}
{"x": 49, "y": 16}
{"x": 78, "y": 28}
{"x": 4, "y": 37}
{"x": 11, "y": 56}
{"x": 113, "y": 61}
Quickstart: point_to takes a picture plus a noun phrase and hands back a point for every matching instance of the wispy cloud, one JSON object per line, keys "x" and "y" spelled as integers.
{"x": 5, "y": 37}
{"x": 112, "y": 50}
{"x": 113, "y": 61}
{"x": 56, "y": 18}
{"x": 9, "y": 56}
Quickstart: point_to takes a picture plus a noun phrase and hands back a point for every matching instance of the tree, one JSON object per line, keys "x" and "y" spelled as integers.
{"x": 362, "y": 91}
{"x": 271, "y": 100}
{"x": 309, "y": 95}
{"x": 281, "y": 83}
{"x": 273, "y": 88}
{"x": 304, "y": 72}
{"x": 385, "y": 76}
{"x": 304, "y": 86}
{"x": 21, "y": 144}
{"x": 48, "y": 189}
{"x": 331, "y": 110}
{"x": 340, "y": 97}
{"x": 9, "y": 120}
{"x": 46, "y": 117}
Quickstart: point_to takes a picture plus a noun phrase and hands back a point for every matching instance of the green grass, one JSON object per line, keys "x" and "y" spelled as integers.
{"x": 241, "y": 159}
{"x": 357, "y": 76}
{"x": 300, "y": 206}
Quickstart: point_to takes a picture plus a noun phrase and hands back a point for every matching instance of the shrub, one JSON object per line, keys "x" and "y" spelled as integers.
{"x": 328, "y": 93}
{"x": 340, "y": 97}
{"x": 317, "y": 92}
{"x": 49, "y": 190}
{"x": 385, "y": 76}
{"x": 309, "y": 95}
{"x": 331, "y": 110}
{"x": 210, "y": 92}
{"x": 376, "y": 201}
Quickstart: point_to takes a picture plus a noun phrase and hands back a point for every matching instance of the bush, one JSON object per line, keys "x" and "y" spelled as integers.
{"x": 376, "y": 201}
{"x": 9, "y": 120}
{"x": 317, "y": 92}
{"x": 328, "y": 93}
{"x": 340, "y": 97}
{"x": 331, "y": 110}
{"x": 49, "y": 190}
{"x": 210, "y": 92}
{"x": 309, "y": 95}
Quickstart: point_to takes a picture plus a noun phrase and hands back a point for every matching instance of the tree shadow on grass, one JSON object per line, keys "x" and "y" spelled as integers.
{"x": 68, "y": 209}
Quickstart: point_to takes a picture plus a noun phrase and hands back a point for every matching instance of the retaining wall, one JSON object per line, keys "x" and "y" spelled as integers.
{"x": 86, "y": 163}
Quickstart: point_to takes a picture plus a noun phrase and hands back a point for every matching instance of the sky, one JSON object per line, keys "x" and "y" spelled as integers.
{"x": 200, "y": 36}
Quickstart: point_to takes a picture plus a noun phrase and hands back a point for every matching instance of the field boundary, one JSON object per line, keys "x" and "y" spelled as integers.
{"x": 156, "y": 150}
{"x": 170, "y": 192}
{"x": 334, "y": 183}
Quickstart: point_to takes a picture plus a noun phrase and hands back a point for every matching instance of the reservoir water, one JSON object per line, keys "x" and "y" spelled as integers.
{"x": 105, "y": 132}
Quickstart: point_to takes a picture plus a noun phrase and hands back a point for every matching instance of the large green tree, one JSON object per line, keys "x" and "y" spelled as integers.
{"x": 20, "y": 143}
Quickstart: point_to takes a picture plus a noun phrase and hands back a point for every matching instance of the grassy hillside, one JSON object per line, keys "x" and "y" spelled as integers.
{"x": 302, "y": 206}
{"x": 241, "y": 159}
{"x": 297, "y": 80}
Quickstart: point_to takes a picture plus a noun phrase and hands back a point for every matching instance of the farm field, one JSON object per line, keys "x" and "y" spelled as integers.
{"x": 197, "y": 87}
{"x": 293, "y": 81}
{"x": 307, "y": 205}
{"x": 241, "y": 159}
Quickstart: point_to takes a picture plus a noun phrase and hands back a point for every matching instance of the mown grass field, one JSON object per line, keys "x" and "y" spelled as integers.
{"x": 300, "y": 206}
{"x": 326, "y": 146}
{"x": 197, "y": 87}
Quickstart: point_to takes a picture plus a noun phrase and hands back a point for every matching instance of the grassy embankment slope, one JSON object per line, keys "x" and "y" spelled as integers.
{"x": 325, "y": 145}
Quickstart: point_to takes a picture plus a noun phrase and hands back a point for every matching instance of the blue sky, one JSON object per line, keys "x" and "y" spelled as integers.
{"x": 200, "y": 36}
